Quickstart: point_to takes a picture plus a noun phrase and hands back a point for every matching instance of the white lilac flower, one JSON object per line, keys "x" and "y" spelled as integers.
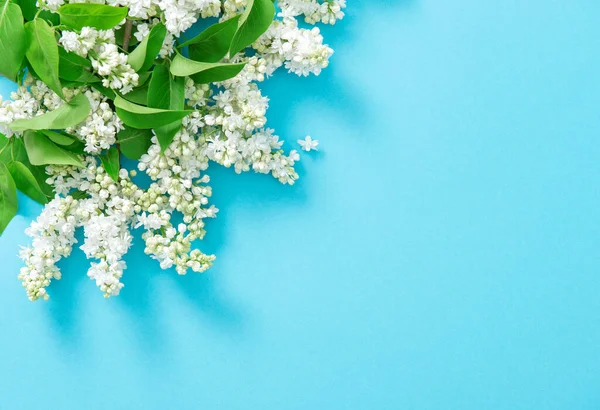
{"x": 143, "y": 29}
{"x": 178, "y": 186}
{"x": 100, "y": 46}
{"x": 308, "y": 143}
{"x": 21, "y": 105}
{"x": 301, "y": 50}
{"x": 52, "y": 4}
{"x": 53, "y": 234}
{"x": 233, "y": 7}
{"x": 142, "y": 9}
{"x": 112, "y": 209}
{"x": 326, "y": 12}
{"x": 112, "y": 65}
{"x": 107, "y": 239}
{"x": 99, "y": 130}
{"x": 80, "y": 43}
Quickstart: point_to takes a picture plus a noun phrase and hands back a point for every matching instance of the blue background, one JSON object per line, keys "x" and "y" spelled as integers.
{"x": 441, "y": 251}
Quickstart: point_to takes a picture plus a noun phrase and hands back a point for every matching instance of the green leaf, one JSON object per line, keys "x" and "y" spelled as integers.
{"x": 100, "y": 16}
{"x": 213, "y": 43}
{"x": 72, "y": 67}
{"x": 42, "y": 53}
{"x": 77, "y": 194}
{"x": 39, "y": 172}
{"x": 17, "y": 153}
{"x": 138, "y": 95}
{"x": 111, "y": 163}
{"x": 167, "y": 92}
{"x": 71, "y": 143}
{"x": 26, "y": 182}
{"x": 137, "y": 116}
{"x": 144, "y": 77}
{"x": 142, "y": 58}
{"x": 42, "y": 151}
{"x": 30, "y": 9}
{"x": 166, "y": 133}
{"x": 58, "y": 138}
{"x": 204, "y": 73}
{"x": 255, "y": 20}
{"x": 134, "y": 142}
{"x": 221, "y": 73}
{"x": 13, "y": 41}
{"x": 8, "y": 198}
{"x": 67, "y": 115}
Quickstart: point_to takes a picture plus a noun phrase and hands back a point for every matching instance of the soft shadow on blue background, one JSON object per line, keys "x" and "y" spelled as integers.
{"x": 441, "y": 251}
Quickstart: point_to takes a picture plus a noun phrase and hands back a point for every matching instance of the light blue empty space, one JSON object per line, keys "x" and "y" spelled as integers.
{"x": 440, "y": 251}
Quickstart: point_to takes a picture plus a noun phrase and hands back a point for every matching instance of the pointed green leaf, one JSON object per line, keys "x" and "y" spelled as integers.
{"x": 167, "y": 92}
{"x": 26, "y": 182}
{"x": 204, "y": 73}
{"x": 100, "y": 16}
{"x": 39, "y": 172}
{"x": 72, "y": 67}
{"x": 142, "y": 58}
{"x": 30, "y": 10}
{"x": 13, "y": 41}
{"x": 164, "y": 90}
{"x": 255, "y": 20}
{"x": 138, "y": 95}
{"x": 8, "y": 198}
{"x": 111, "y": 163}
{"x": 134, "y": 142}
{"x": 67, "y": 115}
{"x": 79, "y": 195}
{"x": 144, "y": 77}
{"x": 213, "y": 43}
{"x": 69, "y": 142}
{"x": 18, "y": 153}
{"x": 137, "y": 116}
{"x": 166, "y": 133}
{"x": 42, "y": 53}
{"x": 59, "y": 138}
{"x": 42, "y": 151}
